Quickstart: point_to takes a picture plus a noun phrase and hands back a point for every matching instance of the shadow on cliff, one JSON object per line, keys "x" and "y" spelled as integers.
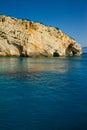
{"x": 71, "y": 51}
{"x": 19, "y": 47}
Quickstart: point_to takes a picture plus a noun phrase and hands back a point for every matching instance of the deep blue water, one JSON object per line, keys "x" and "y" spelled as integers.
{"x": 43, "y": 93}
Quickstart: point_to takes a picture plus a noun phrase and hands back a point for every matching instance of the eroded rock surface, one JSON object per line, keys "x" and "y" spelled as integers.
{"x": 20, "y": 37}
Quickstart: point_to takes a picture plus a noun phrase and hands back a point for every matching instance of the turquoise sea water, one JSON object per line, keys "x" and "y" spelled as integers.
{"x": 43, "y": 94}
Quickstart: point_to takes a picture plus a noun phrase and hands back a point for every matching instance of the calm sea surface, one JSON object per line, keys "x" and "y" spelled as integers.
{"x": 43, "y": 93}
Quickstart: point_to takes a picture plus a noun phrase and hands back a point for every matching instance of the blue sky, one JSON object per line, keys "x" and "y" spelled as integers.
{"x": 69, "y": 15}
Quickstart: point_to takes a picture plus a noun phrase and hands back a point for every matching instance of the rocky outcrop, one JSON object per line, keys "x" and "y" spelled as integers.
{"x": 20, "y": 37}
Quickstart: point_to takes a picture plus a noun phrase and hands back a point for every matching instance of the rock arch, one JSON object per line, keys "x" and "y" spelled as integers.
{"x": 71, "y": 50}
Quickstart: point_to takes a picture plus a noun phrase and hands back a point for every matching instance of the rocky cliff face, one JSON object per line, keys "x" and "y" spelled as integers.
{"x": 20, "y": 37}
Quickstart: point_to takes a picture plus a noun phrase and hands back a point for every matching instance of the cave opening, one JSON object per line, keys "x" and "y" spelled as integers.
{"x": 55, "y": 54}
{"x": 71, "y": 51}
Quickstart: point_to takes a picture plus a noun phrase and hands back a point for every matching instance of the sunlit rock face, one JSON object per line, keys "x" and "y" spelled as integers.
{"x": 20, "y": 37}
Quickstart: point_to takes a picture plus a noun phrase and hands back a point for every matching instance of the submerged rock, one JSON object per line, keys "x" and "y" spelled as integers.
{"x": 20, "y": 37}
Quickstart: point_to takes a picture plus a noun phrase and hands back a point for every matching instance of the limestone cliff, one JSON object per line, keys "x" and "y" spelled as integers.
{"x": 20, "y": 37}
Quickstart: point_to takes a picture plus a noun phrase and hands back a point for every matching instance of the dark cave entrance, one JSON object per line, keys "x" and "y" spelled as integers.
{"x": 71, "y": 51}
{"x": 55, "y": 54}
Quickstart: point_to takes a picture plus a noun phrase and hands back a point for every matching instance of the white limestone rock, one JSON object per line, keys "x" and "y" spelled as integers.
{"x": 20, "y": 37}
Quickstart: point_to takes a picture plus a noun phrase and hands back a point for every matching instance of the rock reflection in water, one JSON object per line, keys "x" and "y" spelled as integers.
{"x": 31, "y": 69}
{"x": 13, "y": 65}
